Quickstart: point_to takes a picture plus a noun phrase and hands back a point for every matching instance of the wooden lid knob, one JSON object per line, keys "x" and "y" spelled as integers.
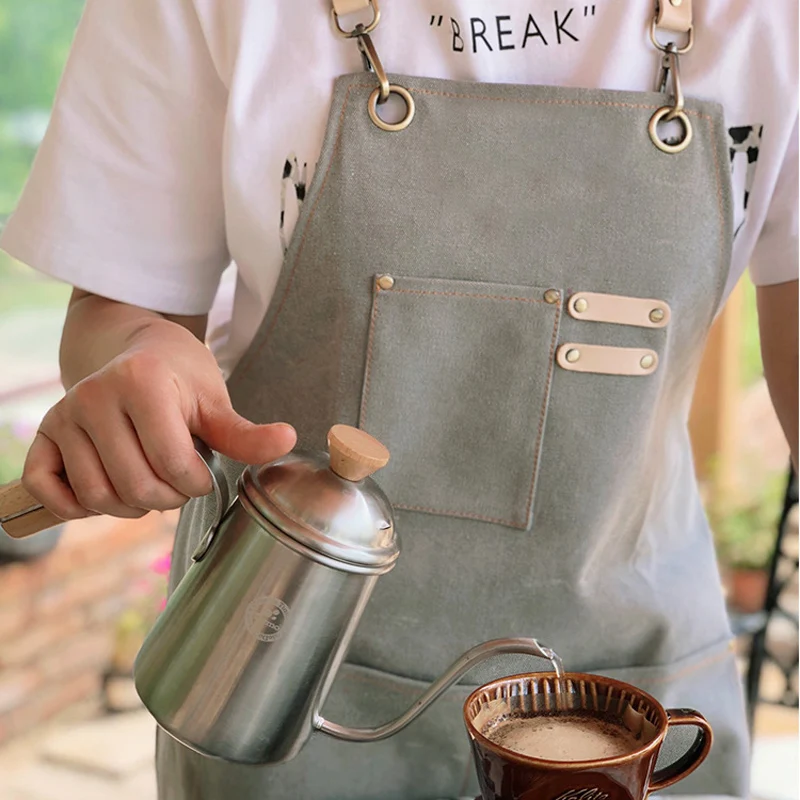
{"x": 355, "y": 454}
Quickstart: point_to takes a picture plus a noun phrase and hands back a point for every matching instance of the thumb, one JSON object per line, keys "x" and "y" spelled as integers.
{"x": 230, "y": 434}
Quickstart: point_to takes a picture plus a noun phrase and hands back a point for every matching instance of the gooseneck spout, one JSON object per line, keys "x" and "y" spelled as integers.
{"x": 458, "y": 669}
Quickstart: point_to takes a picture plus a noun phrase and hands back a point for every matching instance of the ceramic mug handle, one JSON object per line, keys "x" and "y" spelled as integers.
{"x": 693, "y": 757}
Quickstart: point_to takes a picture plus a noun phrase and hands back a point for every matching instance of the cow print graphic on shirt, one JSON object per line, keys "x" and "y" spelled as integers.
{"x": 744, "y": 140}
{"x": 298, "y": 180}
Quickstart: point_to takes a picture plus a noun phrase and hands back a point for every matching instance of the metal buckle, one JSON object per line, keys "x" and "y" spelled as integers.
{"x": 670, "y": 65}
{"x": 372, "y": 62}
{"x": 360, "y": 29}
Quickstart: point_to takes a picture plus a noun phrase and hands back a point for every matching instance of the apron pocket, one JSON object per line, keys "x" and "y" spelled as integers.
{"x": 457, "y": 384}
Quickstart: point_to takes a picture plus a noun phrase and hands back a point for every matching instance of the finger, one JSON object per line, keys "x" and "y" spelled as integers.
{"x": 42, "y": 477}
{"x": 136, "y": 484}
{"x": 87, "y": 476}
{"x": 225, "y": 431}
{"x": 167, "y": 444}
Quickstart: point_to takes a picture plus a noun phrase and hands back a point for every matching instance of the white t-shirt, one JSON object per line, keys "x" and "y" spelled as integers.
{"x": 186, "y": 131}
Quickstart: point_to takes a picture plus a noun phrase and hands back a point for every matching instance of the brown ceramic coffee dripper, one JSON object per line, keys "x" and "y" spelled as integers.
{"x": 506, "y": 775}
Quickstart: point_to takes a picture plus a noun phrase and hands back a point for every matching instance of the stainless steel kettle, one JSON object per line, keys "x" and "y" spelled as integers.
{"x": 242, "y": 659}
{"x": 240, "y": 662}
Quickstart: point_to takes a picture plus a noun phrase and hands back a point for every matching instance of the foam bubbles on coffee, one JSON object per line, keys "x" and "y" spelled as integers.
{"x": 564, "y": 737}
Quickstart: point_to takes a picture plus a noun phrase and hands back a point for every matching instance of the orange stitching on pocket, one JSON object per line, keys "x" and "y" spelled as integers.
{"x": 368, "y": 367}
{"x": 543, "y": 413}
{"x": 538, "y": 446}
{"x": 467, "y": 294}
{"x": 682, "y": 673}
{"x": 459, "y": 514}
{"x": 536, "y": 101}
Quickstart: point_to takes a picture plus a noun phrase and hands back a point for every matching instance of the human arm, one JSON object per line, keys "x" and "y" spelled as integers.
{"x": 778, "y": 320}
{"x": 139, "y": 384}
{"x": 126, "y": 201}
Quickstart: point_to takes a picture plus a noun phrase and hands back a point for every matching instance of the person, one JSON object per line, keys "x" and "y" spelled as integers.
{"x": 506, "y": 272}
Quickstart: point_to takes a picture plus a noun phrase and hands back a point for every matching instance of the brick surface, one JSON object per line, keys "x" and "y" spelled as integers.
{"x": 39, "y": 640}
{"x": 14, "y": 616}
{"x": 17, "y": 580}
{"x": 57, "y": 614}
{"x": 16, "y": 686}
{"x": 49, "y": 701}
{"x": 87, "y": 651}
{"x": 100, "y": 538}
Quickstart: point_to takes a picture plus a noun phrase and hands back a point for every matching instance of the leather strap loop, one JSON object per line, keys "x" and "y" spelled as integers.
{"x": 345, "y": 7}
{"x": 674, "y": 15}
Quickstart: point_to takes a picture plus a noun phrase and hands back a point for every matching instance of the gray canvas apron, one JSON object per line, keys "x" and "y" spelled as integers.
{"x": 538, "y": 492}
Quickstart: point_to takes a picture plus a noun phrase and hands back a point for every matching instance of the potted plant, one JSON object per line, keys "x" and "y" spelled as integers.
{"x": 745, "y": 534}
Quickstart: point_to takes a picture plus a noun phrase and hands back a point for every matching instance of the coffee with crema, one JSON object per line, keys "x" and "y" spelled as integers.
{"x": 564, "y": 737}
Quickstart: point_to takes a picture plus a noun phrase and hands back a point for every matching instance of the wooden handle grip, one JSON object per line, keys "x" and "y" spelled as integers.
{"x": 21, "y": 514}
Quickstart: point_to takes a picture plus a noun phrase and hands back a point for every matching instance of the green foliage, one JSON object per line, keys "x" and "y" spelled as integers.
{"x": 35, "y": 37}
{"x": 745, "y": 529}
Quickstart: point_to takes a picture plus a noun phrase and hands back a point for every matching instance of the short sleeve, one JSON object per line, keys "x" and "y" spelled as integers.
{"x": 125, "y": 197}
{"x": 775, "y": 256}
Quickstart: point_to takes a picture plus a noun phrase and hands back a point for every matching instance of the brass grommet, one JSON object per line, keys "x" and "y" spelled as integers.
{"x": 552, "y": 296}
{"x": 647, "y": 361}
{"x": 385, "y": 282}
{"x": 573, "y": 355}
{"x": 411, "y": 108}
{"x": 687, "y": 130}
{"x": 657, "y": 315}
{"x": 581, "y": 305}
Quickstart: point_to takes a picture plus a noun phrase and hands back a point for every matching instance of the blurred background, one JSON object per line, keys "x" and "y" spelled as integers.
{"x": 76, "y": 602}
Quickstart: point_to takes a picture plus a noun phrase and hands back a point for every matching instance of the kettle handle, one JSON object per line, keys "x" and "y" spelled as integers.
{"x": 21, "y": 515}
{"x": 457, "y": 670}
{"x": 222, "y": 495}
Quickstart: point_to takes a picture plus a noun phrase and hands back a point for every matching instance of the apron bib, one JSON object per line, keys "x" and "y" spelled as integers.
{"x": 513, "y": 293}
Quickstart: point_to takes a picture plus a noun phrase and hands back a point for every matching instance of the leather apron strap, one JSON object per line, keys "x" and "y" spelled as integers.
{"x": 344, "y": 7}
{"x": 674, "y": 15}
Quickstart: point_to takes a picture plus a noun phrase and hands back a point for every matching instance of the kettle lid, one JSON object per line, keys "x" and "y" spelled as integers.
{"x": 328, "y": 502}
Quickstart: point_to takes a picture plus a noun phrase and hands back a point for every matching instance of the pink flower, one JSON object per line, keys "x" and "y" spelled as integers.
{"x": 161, "y": 565}
{"x": 163, "y": 604}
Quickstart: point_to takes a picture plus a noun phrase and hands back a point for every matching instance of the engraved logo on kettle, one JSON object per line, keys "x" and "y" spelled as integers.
{"x": 266, "y": 617}
{"x": 583, "y": 794}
